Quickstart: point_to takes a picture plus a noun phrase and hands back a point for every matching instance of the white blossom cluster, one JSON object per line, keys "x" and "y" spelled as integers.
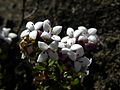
{"x": 6, "y": 35}
{"x": 69, "y": 49}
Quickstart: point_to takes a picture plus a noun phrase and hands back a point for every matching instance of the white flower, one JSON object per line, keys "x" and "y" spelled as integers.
{"x": 46, "y": 26}
{"x": 5, "y": 35}
{"x": 30, "y": 26}
{"x": 70, "y": 32}
{"x": 82, "y": 62}
{"x": 92, "y": 31}
{"x": 47, "y": 51}
{"x": 38, "y": 25}
{"x": 56, "y": 30}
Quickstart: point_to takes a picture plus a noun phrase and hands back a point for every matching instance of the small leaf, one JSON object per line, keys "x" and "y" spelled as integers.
{"x": 75, "y": 82}
{"x": 41, "y": 68}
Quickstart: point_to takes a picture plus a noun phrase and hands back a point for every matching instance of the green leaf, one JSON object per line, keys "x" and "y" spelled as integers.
{"x": 41, "y": 68}
{"x": 75, "y": 82}
{"x": 51, "y": 62}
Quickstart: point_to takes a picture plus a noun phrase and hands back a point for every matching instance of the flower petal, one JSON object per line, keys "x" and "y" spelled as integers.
{"x": 12, "y": 35}
{"x": 92, "y": 31}
{"x": 77, "y": 66}
{"x": 38, "y": 25}
{"x": 85, "y": 61}
{"x": 53, "y": 55}
{"x": 70, "y": 32}
{"x": 82, "y": 37}
{"x": 5, "y": 31}
{"x": 33, "y": 34}
{"x": 71, "y": 41}
{"x": 92, "y": 38}
{"x": 65, "y": 50}
{"x": 56, "y": 30}
{"x": 71, "y": 55}
{"x": 54, "y": 45}
{"x": 46, "y": 26}
{"x": 61, "y": 45}
{"x": 77, "y": 33}
{"x": 42, "y": 57}
{"x": 46, "y": 35}
{"x": 56, "y": 38}
{"x": 82, "y": 29}
{"x": 78, "y": 48}
{"x": 30, "y": 26}
{"x": 64, "y": 39}
{"x": 8, "y": 40}
{"x": 24, "y": 33}
{"x": 42, "y": 45}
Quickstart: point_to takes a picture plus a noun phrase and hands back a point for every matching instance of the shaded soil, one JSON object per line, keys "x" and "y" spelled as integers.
{"x": 101, "y": 14}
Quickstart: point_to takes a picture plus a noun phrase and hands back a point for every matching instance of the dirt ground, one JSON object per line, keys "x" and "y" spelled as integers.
{"x": 101, "y": 14}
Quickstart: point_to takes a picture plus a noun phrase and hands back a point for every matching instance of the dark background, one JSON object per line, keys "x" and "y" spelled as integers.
{"x": 101, "y": 14}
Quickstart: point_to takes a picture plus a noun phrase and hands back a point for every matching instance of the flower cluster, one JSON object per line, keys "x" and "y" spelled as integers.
{"x": 6, "y": 35}
{"x": 44, "y": 41}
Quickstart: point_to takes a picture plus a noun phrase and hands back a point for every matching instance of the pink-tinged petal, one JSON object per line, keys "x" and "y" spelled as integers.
{"x": 46, "y": 35}
{"x": 30, "y": 26}
{"x": 56, "y": 30}
{"x": 38, "y": 25}
{"x": 42, "y": 57}
{"x": 54, "y": 46}
{"x": 70, "y": 32}
{"x": 64, "y": 39}
{"x": 61, "y": 45}
{"x": 12, "y": 35}
{"x": 33, "y": 34}
{"x": 92, "y": 31}
{"x": 24, "y": 33}
{"x": 71, "y": 55}
{"x": 46, "y": 26}
{"x": 85, "y": 61}
{"x": 93, "y": 39}
{"x": 43, "y": 46}
{"x": 56, "y": 38}
{"x": 77, "y": 66}
{"x": 53, "y": 55}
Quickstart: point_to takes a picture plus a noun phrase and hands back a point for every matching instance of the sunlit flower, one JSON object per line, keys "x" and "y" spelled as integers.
{"x": 47, "y": 51}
